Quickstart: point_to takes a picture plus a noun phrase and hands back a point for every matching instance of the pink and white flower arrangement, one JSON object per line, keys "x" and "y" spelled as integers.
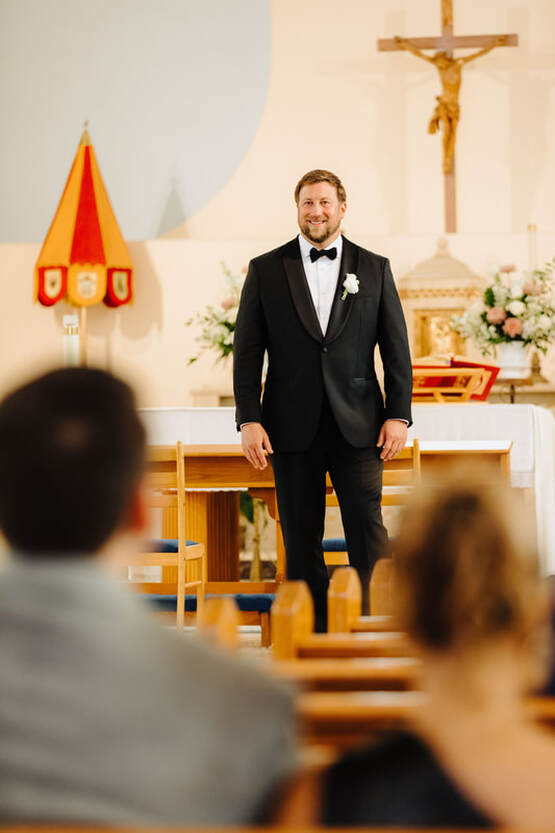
{"x": 513, "y": 308}
{"x": 217, "y": 322}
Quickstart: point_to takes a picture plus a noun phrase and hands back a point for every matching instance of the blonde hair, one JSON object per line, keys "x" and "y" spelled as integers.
{"x": 466, "y": 565}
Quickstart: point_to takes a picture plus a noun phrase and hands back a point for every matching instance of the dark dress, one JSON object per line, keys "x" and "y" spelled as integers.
{"x": 397, "y": 782}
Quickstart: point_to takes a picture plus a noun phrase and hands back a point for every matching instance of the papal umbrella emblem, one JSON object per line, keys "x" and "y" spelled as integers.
{"x": 84, "y": 257}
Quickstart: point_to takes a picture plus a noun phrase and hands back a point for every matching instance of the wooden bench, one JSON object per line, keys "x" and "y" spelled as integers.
{"x": 348, "y": 674}
{"x": 342, "y": 719}
{"x": 292, "y": 625}
{"x": 345, "y": 595}
{"x": 279, "y": 828}
{"x": 220, "y": 620}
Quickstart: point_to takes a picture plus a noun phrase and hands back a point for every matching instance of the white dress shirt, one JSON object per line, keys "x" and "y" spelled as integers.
{"x": 322, "y": 277}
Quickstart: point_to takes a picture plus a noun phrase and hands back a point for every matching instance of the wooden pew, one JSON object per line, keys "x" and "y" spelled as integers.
{"x": 218, "y": 623}
{"x": 220, "y": 620}
{"x": 292, "y": 623}
{"x": 336, "y": 661}
{"x": 48, "y": 827}
{"x": 344, "y": 600}
{"x": 343, "y": 719}
{"x": 344, "y": 674}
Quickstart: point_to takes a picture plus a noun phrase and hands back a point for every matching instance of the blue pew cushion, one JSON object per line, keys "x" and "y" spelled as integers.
{"x": 166, "y": 545}
{"x": 246, "y": 602}
{"x": 334, "y": 545}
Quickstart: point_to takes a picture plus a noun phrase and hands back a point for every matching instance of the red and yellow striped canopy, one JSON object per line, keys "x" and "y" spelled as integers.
{"x": 84, "y": 256}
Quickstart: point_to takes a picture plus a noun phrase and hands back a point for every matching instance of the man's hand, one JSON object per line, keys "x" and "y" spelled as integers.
{"x": 393, "y": 436}
{"x": 254, "y": 441}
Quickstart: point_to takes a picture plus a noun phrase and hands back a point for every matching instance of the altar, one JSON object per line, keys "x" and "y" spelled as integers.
{"x": 531, "y": 430}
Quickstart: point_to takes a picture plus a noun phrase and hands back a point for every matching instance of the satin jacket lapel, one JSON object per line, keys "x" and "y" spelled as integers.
{"x": 300, "y": 292}
{"x": 341, "y": 310}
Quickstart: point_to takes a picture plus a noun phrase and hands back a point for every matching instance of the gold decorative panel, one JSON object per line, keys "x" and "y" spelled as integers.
{"x": 433, "y": 334}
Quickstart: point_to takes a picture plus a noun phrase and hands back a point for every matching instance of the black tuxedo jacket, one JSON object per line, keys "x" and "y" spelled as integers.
{"x": 277, "y": 315}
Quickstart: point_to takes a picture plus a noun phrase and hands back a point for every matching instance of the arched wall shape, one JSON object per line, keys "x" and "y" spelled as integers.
{"x": 173, "y": 90}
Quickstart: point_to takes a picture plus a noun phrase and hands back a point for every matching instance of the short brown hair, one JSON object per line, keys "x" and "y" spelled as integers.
{"x": 319, "y": 175}
{"x": 466, "y": 568}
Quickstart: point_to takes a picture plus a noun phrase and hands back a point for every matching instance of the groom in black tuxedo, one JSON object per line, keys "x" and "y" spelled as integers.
{"x": 318, "y": 306}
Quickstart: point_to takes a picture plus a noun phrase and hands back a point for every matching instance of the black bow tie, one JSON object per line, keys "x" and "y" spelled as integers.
{"x": 316, "y": 253}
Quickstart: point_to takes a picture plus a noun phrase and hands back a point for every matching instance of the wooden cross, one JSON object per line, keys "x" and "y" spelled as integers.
{"x": 446, "y": 113}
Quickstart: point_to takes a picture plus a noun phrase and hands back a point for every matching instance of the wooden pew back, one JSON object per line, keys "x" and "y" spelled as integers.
{"x": 292, "y": 618}
{"x": 292, "y": 621}
{"x": 219, "y": 622}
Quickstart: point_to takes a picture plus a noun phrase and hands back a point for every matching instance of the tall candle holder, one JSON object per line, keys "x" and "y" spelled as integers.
{"x": 71, "y": 341}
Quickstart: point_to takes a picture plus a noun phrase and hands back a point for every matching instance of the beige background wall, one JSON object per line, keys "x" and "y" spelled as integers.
{"x": 335, "y": 101}
{"x": 148, "y": 341}
{"x": 332, "y": 101}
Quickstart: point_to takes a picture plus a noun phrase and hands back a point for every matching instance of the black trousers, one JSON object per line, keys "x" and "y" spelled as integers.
{"x": 356, "y": 474}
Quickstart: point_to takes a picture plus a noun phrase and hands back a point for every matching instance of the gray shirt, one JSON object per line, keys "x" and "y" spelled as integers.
{"x": 106, "y": 717}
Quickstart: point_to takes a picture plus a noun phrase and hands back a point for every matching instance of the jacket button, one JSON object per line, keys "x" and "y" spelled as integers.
{"x": 324, "y": 349}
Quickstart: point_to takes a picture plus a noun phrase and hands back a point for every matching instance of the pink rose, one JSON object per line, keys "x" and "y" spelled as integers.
{"x": 532, "y": 288}
{"x": 512, "y": 327}
{"x": 509, "y": 267}
{"x": 496, "y": 315}
{"x": 228, "y": 303}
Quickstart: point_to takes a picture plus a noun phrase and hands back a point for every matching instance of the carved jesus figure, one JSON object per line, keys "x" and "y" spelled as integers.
{"x": 447, "y": 112}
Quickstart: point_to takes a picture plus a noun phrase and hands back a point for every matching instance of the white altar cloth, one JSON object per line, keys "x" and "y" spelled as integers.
{"x": 530, "y": 428}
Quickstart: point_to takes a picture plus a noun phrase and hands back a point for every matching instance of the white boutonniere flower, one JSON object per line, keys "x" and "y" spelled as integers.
{"x": 351, "y": 285}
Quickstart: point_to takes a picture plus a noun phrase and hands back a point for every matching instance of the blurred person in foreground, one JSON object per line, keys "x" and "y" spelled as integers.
{"x": 104, "y": 716}
{"x": 470, "y": 598}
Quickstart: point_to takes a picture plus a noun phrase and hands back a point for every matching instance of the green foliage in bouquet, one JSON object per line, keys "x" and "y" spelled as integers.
{"x": 217, "y": 323}
{"x": 513, "y": 308}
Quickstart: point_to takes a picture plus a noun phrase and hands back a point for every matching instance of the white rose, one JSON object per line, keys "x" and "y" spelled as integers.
{"x": 474, "y": 313}
{"x": 544, "y": 323}
{"x": 529, "y": 329}
{"x": 516, "y": 308}
{"x": 500, "y": 294}
{"x": 517, "y": 286}
{"x": 350, "y": 285}
{"x": 533, "y": 308}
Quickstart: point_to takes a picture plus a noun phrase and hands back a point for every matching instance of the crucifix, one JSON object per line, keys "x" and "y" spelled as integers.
{"x": 446, "y": 114}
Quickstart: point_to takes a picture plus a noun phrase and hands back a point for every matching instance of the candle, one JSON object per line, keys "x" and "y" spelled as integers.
{"x": 71, "y": 341}
{"x": 532, "y": 247}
